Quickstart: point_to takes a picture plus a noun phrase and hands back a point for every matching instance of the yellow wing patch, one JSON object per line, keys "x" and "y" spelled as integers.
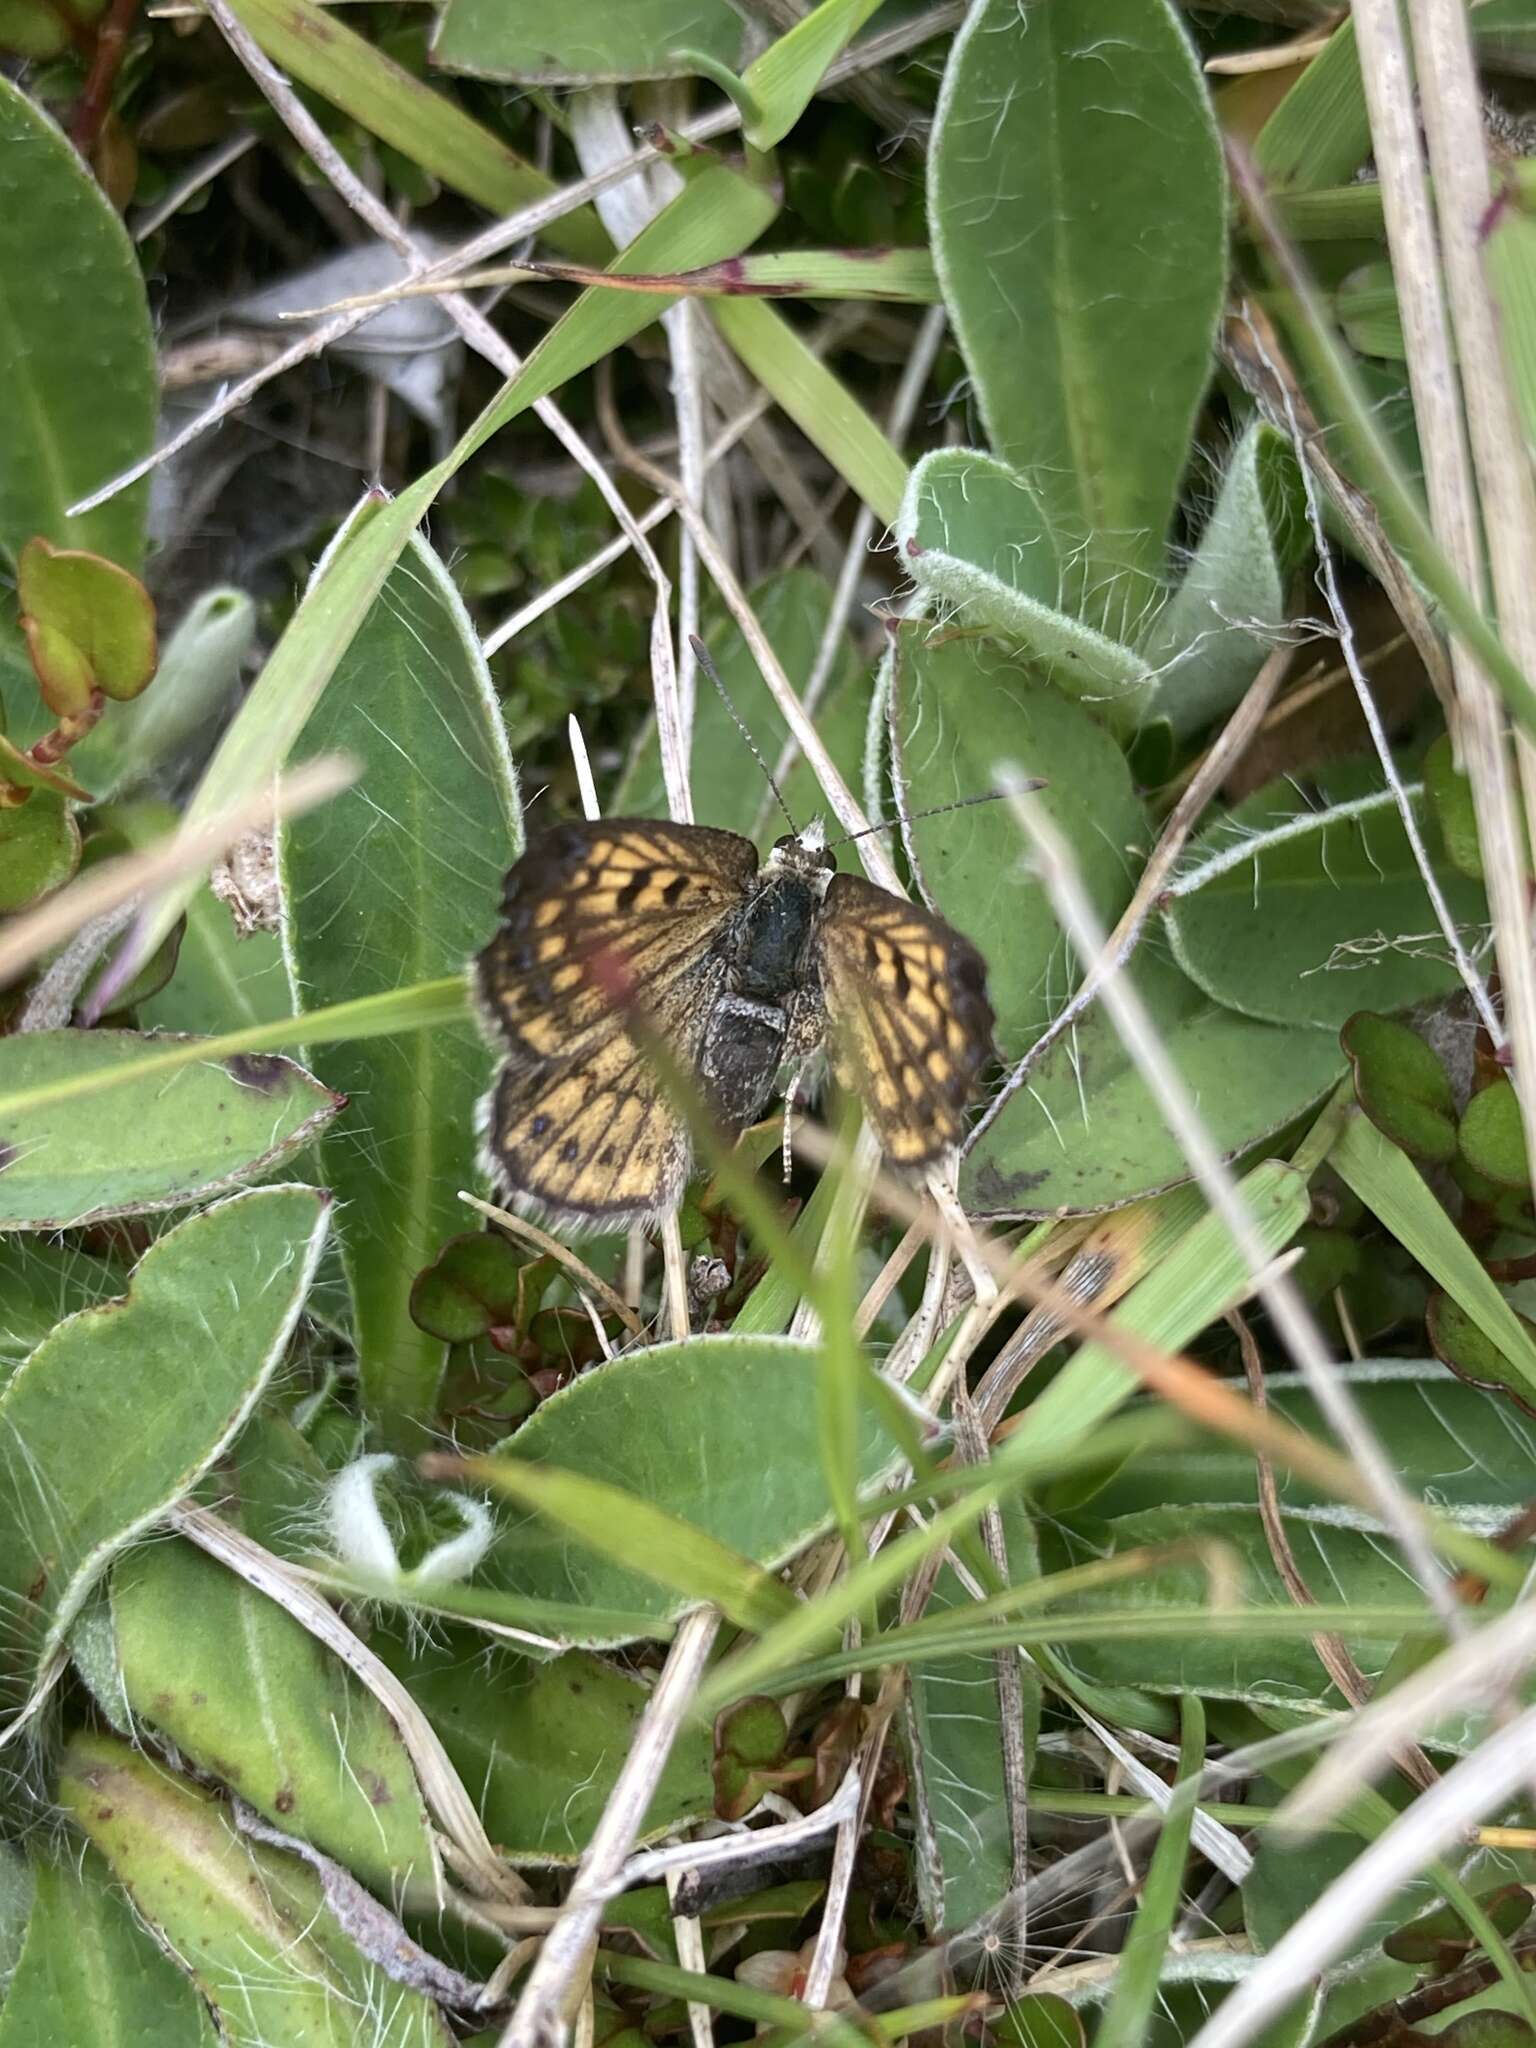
{"x": 909, "y": 1019}
{"x": 600, "y": 921}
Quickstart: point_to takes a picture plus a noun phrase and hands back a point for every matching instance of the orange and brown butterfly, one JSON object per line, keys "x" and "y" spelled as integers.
{"x": 624, "y": 930}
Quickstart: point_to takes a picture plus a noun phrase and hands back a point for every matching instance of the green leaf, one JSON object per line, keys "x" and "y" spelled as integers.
{"x": 417, "y": 119}
{"x": 193, "y": 687}
{"x": 956, "y": 1755}
{"x": 1197, "y": 1281}
{"x": 1492, "y": 1136}
{"x": 473, "y": 1286}
{"x": 89, "y": 625}
{"x": 588, "y": 42}
{"x": 543, "y": 1741}
{"x": 1368, "y": 314}
{"x": 1461, "y": 1345}
{"x": 104, "y": 1426}
{"x": 39, "y": 849}
{"x": 958, "y": 707}
{"x": 714, "y": 216}
{"x": 1078, "y": 217}
{"x": 1509, "y": 259}
{"x": 91, "y": 1972}
{"x": 1392, "y": 1188}
{"x": 622, "y": 1529}
{"x": 1444, "y": 1440}
{"x": 1320, "y": 134}
{"x": 248, "y": 1695}
{"x": 1134, "y": 1999}
{"x": 822, "y": 407}
{"x": 1304, "y": 916}
{"x": 782, "y": 81}
{"x": 396, "y": 883}
{"x": 683, "y": 1426}
{"x": 152, "y": 1144}
{"x": 77, "y": 340}
{"x": 976, "y": 535}
{"x": 1450, "y": 794}
{"x": 1440, "y": 1937}
{"x": 1086, "y": 1133}
{"x": 1402, "y": 1086}
{"x": 1350, "y": 1570}
{"x": 248, "y": 1922}
{"x": 1206, "y": 646}
{"x": 43, "y": 1280}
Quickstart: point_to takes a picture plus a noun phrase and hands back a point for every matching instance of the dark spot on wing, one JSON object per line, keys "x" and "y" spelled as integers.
{"x": 539, "y": 1126}
{"x": 606, "y": 1156}
{"x": 569, "y": 1150}
{"x": 634, "y": 888}
{"x": 675, "y": 890}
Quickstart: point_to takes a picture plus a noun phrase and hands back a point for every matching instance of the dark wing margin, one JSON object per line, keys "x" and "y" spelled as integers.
{"x": 908, "y": 1018}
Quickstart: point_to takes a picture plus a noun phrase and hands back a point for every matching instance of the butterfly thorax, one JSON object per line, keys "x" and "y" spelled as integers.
{"x": 773, "y": 949}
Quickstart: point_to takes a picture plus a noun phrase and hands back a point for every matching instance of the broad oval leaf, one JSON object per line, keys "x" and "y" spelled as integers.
{"x": 1085, "y": 1132}
{"x": 119, "y": 1409}
{"x": 721, "y": 1432}
{"x": 248, "y": 1695}
{"x": 90, "y": 1971}
{"x": 1304, "y": 916}
{"x": 974, "y": 534}
{"x": 542, "y": 1741}
{"x": 394, "y": 883}
{"x": 958, "y": 707}
{"x": 1078, "y": 213}
{"x": 586, "y": 42}
{"x": 72, "y": 1153}
{"x": 79, "y": 344}
{"x": 247, "y": 1921}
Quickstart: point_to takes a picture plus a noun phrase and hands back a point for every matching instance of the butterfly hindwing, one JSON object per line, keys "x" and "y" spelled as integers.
{"x": 910, "y": 1024}
{"x": 603, "y": 923}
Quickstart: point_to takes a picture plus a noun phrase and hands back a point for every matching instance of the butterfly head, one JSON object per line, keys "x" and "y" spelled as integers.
{"x": 804, "y": 855}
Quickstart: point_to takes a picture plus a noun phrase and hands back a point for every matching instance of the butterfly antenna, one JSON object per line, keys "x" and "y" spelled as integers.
{"x": 701, "y": 654}
{"x": 960, "y": 804}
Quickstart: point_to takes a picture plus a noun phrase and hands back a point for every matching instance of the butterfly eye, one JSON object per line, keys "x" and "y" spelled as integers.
{"x": 788, "y": 839}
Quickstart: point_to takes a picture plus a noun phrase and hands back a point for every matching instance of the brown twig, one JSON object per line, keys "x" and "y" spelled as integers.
{"x": 95, "y": 101}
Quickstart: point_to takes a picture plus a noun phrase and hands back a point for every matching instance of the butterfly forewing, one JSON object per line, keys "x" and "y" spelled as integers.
{"x": 606, "y": 924}
{"x": 597, "y": 914}
{"x": 911, "y": 1026}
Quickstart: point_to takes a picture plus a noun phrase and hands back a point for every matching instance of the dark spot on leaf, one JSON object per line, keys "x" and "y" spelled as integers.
{"x": 378, "y": 1791}
{"x": 8, "y": 1155}
{"x": 998, "y": 1191}
{"x": 264, "y": 1071}
{"x": 286, "y": 1799}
